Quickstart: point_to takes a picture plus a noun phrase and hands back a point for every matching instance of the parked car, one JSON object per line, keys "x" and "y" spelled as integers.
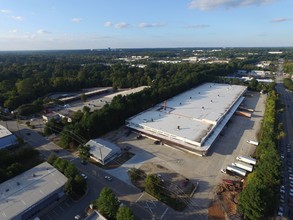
{"x": 108, "y": 178}
{"x": 84, "y": 176}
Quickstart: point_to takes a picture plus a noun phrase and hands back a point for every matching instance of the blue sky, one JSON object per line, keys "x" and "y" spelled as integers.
{"x": 93, "y": 24}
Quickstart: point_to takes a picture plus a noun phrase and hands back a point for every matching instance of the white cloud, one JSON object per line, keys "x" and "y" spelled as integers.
{"x": 5, "y": 11}
{"x": 212, "y": 4}
{"x": 122, "y": 25}
{"x": 280, "y": 19}
{"x": 197, "y": 26}
{"x": 76, "y": 20}
{"x": 147, "y": 25}
{"x": 18, "y": 18}
{"x": 108, "y": 24}
{"x": 42, "y": 31}
{"x": 13, "y": 31}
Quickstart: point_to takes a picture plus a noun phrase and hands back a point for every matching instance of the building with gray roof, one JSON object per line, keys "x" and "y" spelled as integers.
{"x": 103, "y": 151}
{"x": 191, "y": 120}
{"x": 7, "y": 139}
{"x": 25, "y": 196}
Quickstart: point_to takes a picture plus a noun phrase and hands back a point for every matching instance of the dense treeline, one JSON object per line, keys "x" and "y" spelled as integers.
{"x": 288, "y": 83}
{"x": 22, "y": 83}
{"x": 259, "y": 197}
{"x": 17, "y": 161}
{"x": 168, "y": 81}
{"x": 27, "y": 76}
{"x": 288, "y": 67}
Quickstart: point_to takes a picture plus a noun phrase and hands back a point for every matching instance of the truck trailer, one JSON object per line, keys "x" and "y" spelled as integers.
{"x": 252, "y": 142}
{"x": 237, "y": 170}
{"x": 243, "y": 166}
{"x": 246, "y": 159}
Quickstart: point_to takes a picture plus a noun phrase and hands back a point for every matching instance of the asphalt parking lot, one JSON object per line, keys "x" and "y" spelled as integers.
{"x": 206, "y": 170}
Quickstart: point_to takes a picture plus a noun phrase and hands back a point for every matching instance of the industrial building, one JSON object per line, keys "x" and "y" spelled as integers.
{"x": 103, "y": 151}
{"x": 192, "y": 120}
{"x": 29, "y": 194}
{"x": 7, "y": 139}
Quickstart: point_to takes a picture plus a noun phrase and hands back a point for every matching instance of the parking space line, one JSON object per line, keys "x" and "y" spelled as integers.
{"x": 140, "y": 197}
{"x": 162, "y": 216}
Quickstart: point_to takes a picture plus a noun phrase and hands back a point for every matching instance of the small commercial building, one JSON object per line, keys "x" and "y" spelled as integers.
{"x": 190, "y": 121}
{"x": 28, "y": 195}
{"x": 103, "y": 151}
{"x": 7, "y": 139}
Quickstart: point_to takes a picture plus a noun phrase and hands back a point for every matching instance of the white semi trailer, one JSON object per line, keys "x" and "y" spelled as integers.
{"x": 237, "y": 170}
{"x": 252, "y": 142}
{"x": 246, "y": 159}
{"x": 243, "y": 166}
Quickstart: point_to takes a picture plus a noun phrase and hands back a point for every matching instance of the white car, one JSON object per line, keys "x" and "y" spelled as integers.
{"x": 108, "y": 178}
{"x": 223, "y": 171}
{"x": 84, "y": 176}
{"x": 77, "y": 217}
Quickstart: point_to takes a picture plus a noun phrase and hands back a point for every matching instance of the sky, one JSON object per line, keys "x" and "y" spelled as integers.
{"x": 100, "y": 24}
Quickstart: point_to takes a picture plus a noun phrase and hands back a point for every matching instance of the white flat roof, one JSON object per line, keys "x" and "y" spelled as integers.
{"x": 197, "y": 112}
{"x": 23, "y": 191}
{"x": 4, "y": 132}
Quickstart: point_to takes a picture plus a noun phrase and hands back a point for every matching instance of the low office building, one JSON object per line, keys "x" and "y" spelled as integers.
{"x": 29, "y": 194}
{"x": 7, "y": 139}
{"x": 103, "y": 151}
{"x": 192, "y": 120}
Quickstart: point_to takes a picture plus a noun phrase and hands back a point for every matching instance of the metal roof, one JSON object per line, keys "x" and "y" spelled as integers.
{"x": 102, "y": 149}
{"x": 190, "y": 117}
{"x": 4, "y": 132}
{"x": 23, "y": 191}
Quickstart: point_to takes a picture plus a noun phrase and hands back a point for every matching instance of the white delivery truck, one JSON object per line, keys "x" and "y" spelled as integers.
{"x": 237, "y": 170}
{"x": 246, "y": 159}
{"x": 243, "y": 166}
{"x": 252, "y": 142}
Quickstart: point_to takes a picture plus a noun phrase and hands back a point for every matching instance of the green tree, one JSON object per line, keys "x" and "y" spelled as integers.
{"x": 152, "y": 185}
{"x": 124, "y": 213}
{"x": 107, "y": 203}
{"x": 83, "y": 97}
{"x": 79, "y": 185}
{"x": 51, "y": 159}
{"x": 68, "y": 187}
{"x": 70, "y": 171}
{"x": 84, "y": 152}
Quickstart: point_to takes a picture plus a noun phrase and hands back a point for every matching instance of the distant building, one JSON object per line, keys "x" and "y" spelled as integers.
{"x": 103, "y": 151}
{"x": 30, "y": 194}
{"x": 66, "y": 113}
{"x": 7, "y": 139}
{"x": 49, "y": 116}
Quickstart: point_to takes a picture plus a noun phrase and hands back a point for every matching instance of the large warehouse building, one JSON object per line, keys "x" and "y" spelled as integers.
{"x": 191, "y": 120}
{"x": 27, "y": 195}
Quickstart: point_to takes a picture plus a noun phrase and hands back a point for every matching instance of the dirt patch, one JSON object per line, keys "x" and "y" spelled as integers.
{"x": 215, "y": 211}
{"x": 225, "y": 203}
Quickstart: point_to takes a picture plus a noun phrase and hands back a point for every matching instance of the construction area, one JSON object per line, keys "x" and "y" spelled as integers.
{"x": 191, "y": 120}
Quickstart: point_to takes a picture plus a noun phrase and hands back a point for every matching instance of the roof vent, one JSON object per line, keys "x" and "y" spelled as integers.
{"x": 34, "y": 175}
{"x": 202, "y": 108}
{"x": 178, "y": 127}
{"x": 18, "y": 183}
{"x": 7, "y": 190}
